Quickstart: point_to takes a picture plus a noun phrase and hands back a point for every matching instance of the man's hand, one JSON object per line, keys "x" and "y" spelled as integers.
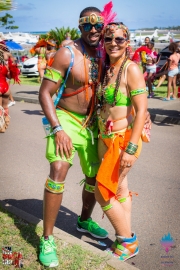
{"x": 148, "y": 121}
{"x": 63, "y": 144}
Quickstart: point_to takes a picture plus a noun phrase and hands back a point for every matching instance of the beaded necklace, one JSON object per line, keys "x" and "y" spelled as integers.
{"x": 93, "y": 66}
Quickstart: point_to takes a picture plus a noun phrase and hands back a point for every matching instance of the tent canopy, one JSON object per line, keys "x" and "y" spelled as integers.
{"x": 13, "y": 45}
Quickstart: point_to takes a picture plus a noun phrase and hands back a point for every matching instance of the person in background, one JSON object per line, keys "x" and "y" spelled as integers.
{"x": 8, "y": 70}
{"x": 151, "y": 60}
{"x": 7, "y": 56}
{"x": 146, "y": 41}
{"x": 40, "y": 50}
{"x": 67, "y": 40}
{"x": 50, "y": 52}
{"x": 172, "y": 71}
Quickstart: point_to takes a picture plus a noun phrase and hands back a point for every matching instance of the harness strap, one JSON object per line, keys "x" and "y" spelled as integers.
{"x": 75, "y": 92}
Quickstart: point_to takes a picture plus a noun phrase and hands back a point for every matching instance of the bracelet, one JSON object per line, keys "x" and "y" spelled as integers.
{"x": 131, "y": 148}
{"x": 56, "y": 126}
{"x": 56, "y": 129}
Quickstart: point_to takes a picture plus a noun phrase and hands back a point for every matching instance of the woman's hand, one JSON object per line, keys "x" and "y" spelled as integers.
{"x": 63, "y": 144}
{"x": 127, "y": 160}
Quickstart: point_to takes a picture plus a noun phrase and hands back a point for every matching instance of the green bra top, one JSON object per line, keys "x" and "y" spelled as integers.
{"x": 121, "y": 99}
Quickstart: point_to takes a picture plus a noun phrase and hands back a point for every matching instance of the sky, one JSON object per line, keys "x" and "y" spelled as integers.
{"x": 44, "y": 15}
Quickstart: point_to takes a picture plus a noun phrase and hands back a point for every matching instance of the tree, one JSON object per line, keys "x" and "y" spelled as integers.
{"x": 6, "y": 5}
{"x": 59, "y": 34}
{"x": 5, "y": 22}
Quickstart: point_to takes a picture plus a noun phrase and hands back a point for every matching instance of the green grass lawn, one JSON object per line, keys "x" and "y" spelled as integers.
{"x": 24, "y": 237}
{"x": 29, "y": 80}
{"x": 161, "y": 91}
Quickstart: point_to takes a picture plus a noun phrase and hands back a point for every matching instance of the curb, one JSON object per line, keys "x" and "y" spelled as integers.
{"x": 113, "y": 262}
{"x": 154, "y": 117}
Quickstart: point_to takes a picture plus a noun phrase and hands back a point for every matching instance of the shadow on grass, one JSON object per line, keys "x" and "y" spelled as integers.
{"x": 66, "y": 221}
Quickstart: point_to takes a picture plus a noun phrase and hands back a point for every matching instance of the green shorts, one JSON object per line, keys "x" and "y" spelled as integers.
{"x": 82, "y": 143}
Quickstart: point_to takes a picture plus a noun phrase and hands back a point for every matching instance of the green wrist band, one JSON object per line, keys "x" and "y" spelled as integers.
{"x": 131, "y": 148}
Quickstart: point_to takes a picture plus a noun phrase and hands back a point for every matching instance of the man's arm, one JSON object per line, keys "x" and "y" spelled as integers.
{"x": 47, "y": 90}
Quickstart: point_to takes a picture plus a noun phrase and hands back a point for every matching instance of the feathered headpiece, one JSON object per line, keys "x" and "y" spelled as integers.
{"x": 107, "y": 13}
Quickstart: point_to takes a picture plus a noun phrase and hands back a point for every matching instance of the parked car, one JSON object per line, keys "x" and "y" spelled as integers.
{"x": 29, "y": 67}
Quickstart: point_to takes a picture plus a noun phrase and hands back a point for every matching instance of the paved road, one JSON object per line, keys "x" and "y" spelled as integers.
{"x": 23, "y": 170}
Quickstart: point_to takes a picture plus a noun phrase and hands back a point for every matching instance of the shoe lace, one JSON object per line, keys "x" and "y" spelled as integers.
{"x": 93, "y": 224}
{"x": 48, "y": 246}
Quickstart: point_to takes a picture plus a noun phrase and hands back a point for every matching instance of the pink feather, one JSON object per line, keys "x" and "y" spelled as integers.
{"x": 107, "y": 13}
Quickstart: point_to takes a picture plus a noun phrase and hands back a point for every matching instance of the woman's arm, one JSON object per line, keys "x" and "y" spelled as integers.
{"x": 135, "y": 81}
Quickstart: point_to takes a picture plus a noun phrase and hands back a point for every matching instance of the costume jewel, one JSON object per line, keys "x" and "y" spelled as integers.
{"x": 93, "y": 69}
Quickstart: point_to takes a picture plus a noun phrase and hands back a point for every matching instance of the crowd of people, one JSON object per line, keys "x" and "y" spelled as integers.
{"x": 148, "y": 58}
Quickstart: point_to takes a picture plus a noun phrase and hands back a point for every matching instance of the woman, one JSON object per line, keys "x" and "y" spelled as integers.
{"x": 172, "y": 71}
{"x": 151, "y": 61}
{"x": 122, "y": 89}
{"x": 4, "y": 91}
{"x": 41, "y": 52}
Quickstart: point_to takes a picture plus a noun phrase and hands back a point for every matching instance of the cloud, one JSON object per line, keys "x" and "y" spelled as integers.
{"x": 28, "y": 6}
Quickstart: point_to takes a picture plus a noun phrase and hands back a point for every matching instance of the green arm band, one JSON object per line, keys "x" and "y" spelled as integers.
{"x": 53, "y": 75}
{"x": 138, "y": 92}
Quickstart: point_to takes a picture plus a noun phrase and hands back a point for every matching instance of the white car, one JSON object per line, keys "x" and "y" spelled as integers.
{"x": 29, "y": 67}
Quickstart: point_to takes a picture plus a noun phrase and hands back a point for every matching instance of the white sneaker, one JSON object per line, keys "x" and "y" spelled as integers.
{"x": 11, "y": 103}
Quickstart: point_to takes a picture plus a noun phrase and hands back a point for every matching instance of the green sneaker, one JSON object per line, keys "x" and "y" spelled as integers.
{"x": 91, "y": 227}
{"x": 47, "y": 255}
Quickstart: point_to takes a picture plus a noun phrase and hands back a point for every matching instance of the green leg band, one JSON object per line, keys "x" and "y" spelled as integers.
{"x": 121, "y": 200}
{"x": 89, "y": 188}
{"x": 54, "y": 187}
{"x": 107, "y": 207}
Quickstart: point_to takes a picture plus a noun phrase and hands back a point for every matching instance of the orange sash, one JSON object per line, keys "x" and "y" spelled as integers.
{"x": 108, "y": 173}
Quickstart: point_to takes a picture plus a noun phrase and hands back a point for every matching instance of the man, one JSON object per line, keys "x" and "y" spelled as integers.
{"x": 62, "y": 152}
{"x": 73, "y": 128}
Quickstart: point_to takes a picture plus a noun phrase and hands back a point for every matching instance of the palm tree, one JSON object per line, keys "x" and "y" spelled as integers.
{"x": 6, "y": 5}
{"x": 59, "y": 34}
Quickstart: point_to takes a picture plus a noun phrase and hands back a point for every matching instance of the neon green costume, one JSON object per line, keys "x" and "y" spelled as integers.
{"x": 82, "y": 139}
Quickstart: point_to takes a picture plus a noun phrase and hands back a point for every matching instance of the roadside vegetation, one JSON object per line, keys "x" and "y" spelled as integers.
{"x": 24, "y": 237}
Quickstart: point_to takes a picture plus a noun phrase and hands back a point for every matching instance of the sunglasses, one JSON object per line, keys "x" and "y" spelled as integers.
{"x": 118, "y": 40}
{"x": 88, "y": 26}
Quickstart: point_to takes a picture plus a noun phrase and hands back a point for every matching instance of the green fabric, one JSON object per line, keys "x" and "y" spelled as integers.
{"x": 82, "y": 143}
{"x": 47, "y": 255}
{"x": 121, "y": 99}
{"x": 53, "y": 75}
{"x": 136, "y": 92}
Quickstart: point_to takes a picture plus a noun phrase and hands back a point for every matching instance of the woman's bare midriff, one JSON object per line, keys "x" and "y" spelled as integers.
{"x": 117, "y": 112}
